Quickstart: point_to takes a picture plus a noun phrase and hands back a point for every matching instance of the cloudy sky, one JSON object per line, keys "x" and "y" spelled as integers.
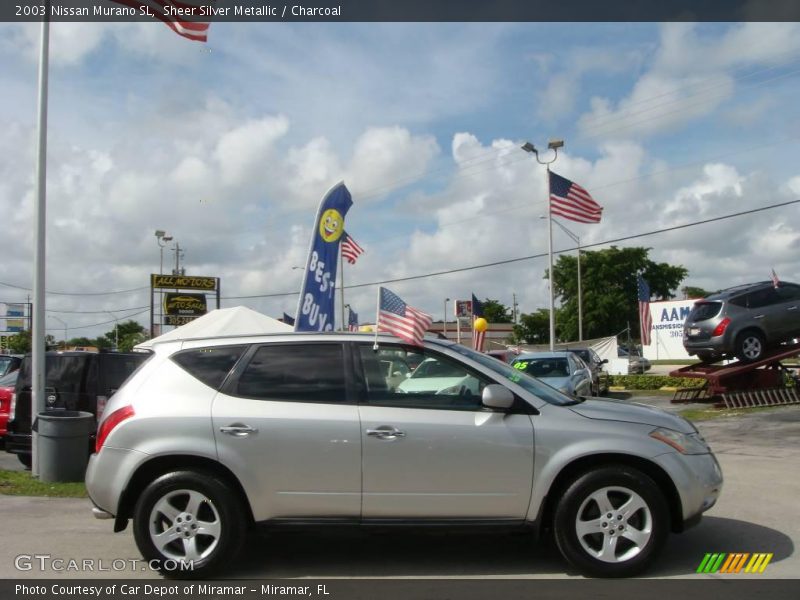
{"x": 229, "y": 147}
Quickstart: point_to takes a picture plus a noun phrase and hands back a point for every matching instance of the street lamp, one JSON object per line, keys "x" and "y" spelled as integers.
{"x": 65, "y": 328}
{"x": 163, "y": 239}
{"x": 577, "y": 240}
{"x": 444, "y": 323}
{"x": 553, "y": 145}
{"x": 116, "y": 329}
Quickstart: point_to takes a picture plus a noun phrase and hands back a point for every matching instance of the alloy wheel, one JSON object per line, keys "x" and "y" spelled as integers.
{"x": 185, "y": 525}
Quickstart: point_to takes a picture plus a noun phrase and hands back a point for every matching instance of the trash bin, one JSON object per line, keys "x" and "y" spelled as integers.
{"x": 63, "y": 444}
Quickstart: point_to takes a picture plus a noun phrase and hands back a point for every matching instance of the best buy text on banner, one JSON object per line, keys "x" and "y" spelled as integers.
{"x": 315, "y": 310}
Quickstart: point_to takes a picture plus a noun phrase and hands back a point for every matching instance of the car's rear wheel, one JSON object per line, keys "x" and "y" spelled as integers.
{"x": 190, "y": 523}
{"x": 750, "y": 345}
{"x": 25, "y": 459}
{"x": 611, "y": 522}
{"x": 708, "y": 357}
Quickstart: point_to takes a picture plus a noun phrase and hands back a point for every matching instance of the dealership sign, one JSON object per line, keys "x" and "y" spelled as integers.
{"x": 192, "y": 305}
{"x": 667, "y": 333}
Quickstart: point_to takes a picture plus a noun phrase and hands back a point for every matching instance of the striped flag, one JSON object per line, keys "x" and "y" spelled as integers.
{"x": 178, "y": 15}
{"x": 645, "y": 321}
{"x": 350, "y": 249}
{"x": 400, "y": 319}
{"x": 775, "y": 281}
{"x": 571, "y": 201}
{"x": 477, "y": 336}
{"x": 352, "y": 320}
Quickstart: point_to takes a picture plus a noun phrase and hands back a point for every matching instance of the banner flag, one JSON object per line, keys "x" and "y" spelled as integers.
{"x": 315, "y": 308}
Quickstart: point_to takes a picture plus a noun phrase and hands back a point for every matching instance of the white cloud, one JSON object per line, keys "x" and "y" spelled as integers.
{"x": 244, "y": 152}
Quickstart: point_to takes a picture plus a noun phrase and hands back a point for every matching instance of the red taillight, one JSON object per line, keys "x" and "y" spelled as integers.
{"x": 107, "y": 426}
{"x": 720, "y": 329}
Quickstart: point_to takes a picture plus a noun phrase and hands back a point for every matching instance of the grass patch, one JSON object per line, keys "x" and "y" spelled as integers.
{"x": 675, "y": 362}
{"x": 22, "y": 483}
{"x": 706, "y": 414}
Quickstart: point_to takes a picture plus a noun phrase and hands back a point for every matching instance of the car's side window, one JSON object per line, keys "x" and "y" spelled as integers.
{"x": 763, "y": 297}
{"x": 418, "y": 379}
{"x": 209, "y": 365}
{"x": 295, "y": 373}
{"x": 789, "y": 293}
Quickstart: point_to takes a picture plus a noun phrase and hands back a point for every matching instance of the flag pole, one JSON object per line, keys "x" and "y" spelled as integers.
{"x": 550, "y": 260}
{"x": 341, "y": 283}
{"x": 38, "y": 321}
{"x": 377, "y": 317}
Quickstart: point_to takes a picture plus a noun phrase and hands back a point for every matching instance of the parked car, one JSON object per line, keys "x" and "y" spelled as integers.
{"x": 213, "y": 436}
{"x": 592, "y": 360}
{"x": 73, "y": 381}
{"x": 636, "y": 363}
{"x": 434, "y": 376}
{"x": 743, "y": 321}
{"x": 506, "y": 356}
{"x": 565, "y": 371}
{"x": 7, "y": 383}
{"x": 9, "y": 363}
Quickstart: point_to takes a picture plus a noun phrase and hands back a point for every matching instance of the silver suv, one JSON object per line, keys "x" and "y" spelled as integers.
{"x": 744, "y": 321}
{"x": 212, "y": 436}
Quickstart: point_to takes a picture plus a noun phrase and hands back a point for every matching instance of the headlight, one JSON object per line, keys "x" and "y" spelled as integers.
{"x": 685, "y": 444}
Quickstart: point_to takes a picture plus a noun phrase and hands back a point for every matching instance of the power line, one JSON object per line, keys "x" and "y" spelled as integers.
{"x": 533, "y": 256}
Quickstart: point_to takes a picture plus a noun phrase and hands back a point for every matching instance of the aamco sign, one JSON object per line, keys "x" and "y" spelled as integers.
{"x": 666, "y": 337}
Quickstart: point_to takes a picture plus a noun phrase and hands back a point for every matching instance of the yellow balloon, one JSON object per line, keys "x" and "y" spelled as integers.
{"x": 480, "y": 324}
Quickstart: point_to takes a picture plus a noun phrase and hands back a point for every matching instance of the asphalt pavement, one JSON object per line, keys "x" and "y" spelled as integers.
{"x": 757, "y": 512}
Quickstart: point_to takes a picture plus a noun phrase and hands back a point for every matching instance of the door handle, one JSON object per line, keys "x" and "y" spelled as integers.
{"x": 758, "y": 316}
{"x": 386, "y": 433}
{"x": 238, "y": 430}
{"x": 792, "y": 308}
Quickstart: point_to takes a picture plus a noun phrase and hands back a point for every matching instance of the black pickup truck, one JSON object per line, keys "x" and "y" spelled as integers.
{"x": 73, "y": 381}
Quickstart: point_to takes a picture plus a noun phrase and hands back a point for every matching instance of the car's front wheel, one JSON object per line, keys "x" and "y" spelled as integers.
{"x": 611, "y": 522}
{"x": 189, "y": 524}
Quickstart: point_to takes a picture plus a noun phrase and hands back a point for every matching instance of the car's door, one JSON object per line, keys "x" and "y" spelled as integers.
{"x": 766, "y": 312}
{"x": 789, "y": 308}
{"x": 439, "y": 454}
{"x": 286, "y": 426}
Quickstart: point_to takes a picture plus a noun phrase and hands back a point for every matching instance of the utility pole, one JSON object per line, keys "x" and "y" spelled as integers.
{"x": 178, "y": 255}
{"x": 514, "y": 307}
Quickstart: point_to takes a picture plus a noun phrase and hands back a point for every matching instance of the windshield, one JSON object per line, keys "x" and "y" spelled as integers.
{"x": 434, "y": 368}
{"x": 543, "y": 367}
{"x": 538, "y": 388}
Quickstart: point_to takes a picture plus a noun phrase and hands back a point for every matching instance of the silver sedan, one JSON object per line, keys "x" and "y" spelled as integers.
{"x": 561, "y": 370}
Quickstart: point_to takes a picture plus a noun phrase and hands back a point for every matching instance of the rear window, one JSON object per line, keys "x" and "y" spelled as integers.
{"x": 704, "y": 310}
{"x": 209, "y": 365}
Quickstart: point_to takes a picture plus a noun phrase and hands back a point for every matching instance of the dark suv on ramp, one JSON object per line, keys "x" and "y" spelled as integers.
{"x": 744, "y": 321}
{"x": 73, "y": 381}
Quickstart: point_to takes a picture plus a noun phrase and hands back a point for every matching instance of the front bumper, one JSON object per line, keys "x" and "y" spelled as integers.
{"x": 698, "y": 480}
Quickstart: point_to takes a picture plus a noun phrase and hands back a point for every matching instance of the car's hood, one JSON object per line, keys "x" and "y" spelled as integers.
{"x": 429, "y": 384}
{"x": 555, "y": 382}
{"x": 607, "y": 409}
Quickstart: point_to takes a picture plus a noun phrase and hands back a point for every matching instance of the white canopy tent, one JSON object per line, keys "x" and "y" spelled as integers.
{"x": 238, "y": 320}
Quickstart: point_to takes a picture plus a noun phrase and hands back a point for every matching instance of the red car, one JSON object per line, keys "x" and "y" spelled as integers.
{"x": 7, "y": 384}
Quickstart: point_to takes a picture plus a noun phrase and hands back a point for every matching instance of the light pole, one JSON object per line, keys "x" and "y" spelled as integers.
{"x": 163, "y": 239}
{"x": 444, "y": 323}
{"x": 65, "y": 328}
{"x": 577, "y": 240}
{"x": 553, "y": 145}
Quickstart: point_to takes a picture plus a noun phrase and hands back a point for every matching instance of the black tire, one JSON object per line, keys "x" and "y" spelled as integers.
{"x": 648, "y": 525}
{"x": 210, "y": 535}
{"x": 750, "y": 345}
{"x": 25, "y": 459}
{"x": 708, "y": 357}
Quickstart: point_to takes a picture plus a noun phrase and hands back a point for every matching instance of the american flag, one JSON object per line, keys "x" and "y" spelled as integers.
{"x": 645, "y": 321}
{"x": 188, "y": 28}
{"x": 571, "y": 201}
{"x": 350, "y": 249}
{"x": 352, "y": 320}
{"x": 400, "y": 319}
{"x": 775, "y": 281}
{"x": 477, "y": 336}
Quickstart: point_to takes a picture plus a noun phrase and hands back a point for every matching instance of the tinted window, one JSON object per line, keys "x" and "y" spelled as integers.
{"x": 760, "y": 298}
{"x": 704, "y": 310}
{"x": 65, "y": 373}
{"x": 209, "y": 365}
{"x": 438, "y": 382}
{"x": 788, "y": 293}
{"x": 9, "y": 379}
{"x": 295, "y": 372}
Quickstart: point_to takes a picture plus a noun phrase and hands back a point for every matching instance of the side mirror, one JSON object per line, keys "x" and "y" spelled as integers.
{"x": 496, "y": 396}
{"x": 604, "y": 361}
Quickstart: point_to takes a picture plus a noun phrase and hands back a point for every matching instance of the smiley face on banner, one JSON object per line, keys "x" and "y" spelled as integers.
{"x": 331, "y": 225}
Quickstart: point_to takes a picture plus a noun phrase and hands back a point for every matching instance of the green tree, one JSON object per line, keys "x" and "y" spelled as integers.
{"x": 690, "y": 291}
{"x": 129, "y": 340}
{"x": 609, "y": 290}
{"x": 533, "y": 328}
{"x": 496, "y": 312}
{"x": 124, "y": 331}
{"x": 20, "y": 343}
